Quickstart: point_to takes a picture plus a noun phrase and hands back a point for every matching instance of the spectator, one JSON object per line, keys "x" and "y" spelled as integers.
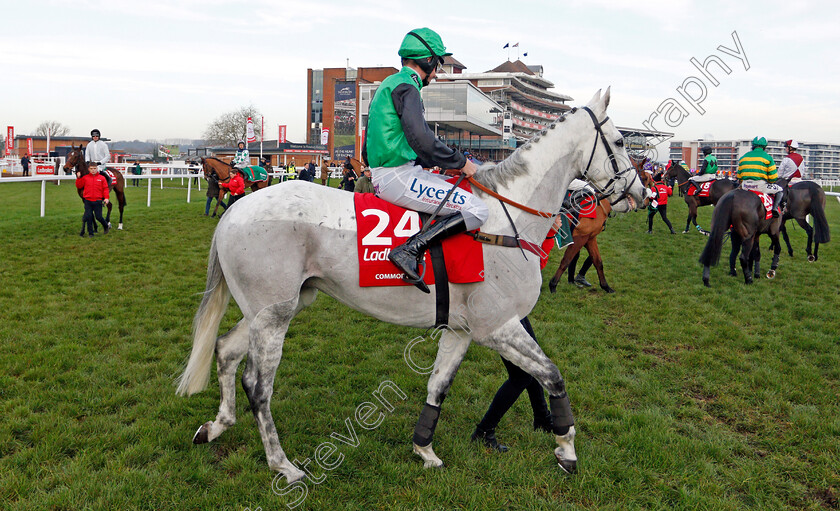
{"x": 325, "y": 173}
{"x": 659, "y": 203}
{"x": 363, "y": 184}
{"x": 348, "y": 182}
{"x": 24, "y": 162}
{"x": 137, "y": 170}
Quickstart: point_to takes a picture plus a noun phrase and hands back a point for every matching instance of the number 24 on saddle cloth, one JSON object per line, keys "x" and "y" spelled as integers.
{"x": 382, "y": 226}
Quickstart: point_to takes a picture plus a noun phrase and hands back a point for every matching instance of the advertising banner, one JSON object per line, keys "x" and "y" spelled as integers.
{"x": 29, "y": 150}
{"x": 249, "y": 130}
{"x": 282, "y": 138}
{"x": 325, "y": 136}
{"x": 10, "y": 140}
{"x": 344, "y": 123}
{"x": 42, "y": 169}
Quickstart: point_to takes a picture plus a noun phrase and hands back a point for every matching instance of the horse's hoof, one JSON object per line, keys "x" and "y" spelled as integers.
{"x": 552, "y": 287}
{"x": 771, "y": 274}
{"x": 581, "y": 281}
{"x": 706, "y": 283}
{"x": 686, "y": 231}
{"x": 432, "y": 464}
{"x": 201, "y": 436}
{"x": 567, "y": 466}
{"x": 733, "y": 273}
{"x": 790, "y": 253}
{"x": 119, "y": 227}
{"x": 811, "y": 259}
{"x": 608, "y": 289}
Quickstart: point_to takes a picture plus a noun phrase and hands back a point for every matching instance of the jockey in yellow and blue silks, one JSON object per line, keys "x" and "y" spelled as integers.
{"x": 757, "y": 171}
{"x": 399, "y": 143}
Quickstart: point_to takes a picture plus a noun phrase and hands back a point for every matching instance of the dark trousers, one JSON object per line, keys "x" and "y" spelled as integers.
{"x": 136, "y": 182}
{"x": 663, "y": 212}
{"x": 25, "y": 171}
{"x": 518, "y": 380}
{"x": 209, "y": 201}
{"x": 93, "y": 209}
{"x": 234, "y": 198}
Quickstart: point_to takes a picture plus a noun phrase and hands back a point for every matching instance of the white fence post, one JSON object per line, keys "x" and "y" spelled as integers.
{"x": 43, "y": 197}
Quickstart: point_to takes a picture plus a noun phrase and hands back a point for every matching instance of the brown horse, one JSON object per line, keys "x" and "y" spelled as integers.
{"x": 743, "y": 212}
{"x": 222, "y": 171}
{"x": 584, "y": 234}
{"x": 76, "y": 162}
{"x": 719, "y": 188}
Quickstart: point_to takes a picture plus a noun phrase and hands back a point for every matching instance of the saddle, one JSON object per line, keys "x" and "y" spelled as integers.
{"x": 255, "y": 173}
{"x": 703, "y": 190}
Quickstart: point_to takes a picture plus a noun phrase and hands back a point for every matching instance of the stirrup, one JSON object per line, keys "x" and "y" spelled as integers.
{"x": 419, "y": 284}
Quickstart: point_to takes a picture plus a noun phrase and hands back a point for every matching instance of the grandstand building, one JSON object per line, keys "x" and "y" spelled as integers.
{"x": 822, "y": 161}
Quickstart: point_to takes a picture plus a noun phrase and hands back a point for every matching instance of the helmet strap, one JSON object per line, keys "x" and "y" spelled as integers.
{"x": 424, "y": 64}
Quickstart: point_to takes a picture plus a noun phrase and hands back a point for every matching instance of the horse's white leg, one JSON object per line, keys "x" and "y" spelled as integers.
{"x": 266, "y": 334}
{"x": 451, "y": 350}
{"x": 230, "y": 348}
{"x": 513, "y": 342}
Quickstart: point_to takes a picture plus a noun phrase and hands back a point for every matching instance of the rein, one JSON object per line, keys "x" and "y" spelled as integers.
{"x": 513, "y": 203}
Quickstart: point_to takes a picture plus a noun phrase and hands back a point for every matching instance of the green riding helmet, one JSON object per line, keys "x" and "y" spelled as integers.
{"x": 422, "y": 43}
{"x": 759, "y": 142}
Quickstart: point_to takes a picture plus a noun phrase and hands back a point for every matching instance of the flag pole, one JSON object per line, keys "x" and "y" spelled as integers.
{"x": 262, "y": 131}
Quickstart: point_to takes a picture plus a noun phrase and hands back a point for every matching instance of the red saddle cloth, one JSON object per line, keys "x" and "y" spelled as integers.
{"x": 382, "y": 226}
{"x": 111, "y": 175}
{"x": 586, "y": 208}
{"x": 767, "y": 202}
{"x": 704, "y": 190}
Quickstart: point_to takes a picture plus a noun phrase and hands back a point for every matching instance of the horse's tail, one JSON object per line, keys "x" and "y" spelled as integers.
{"x": 721, "y": 219}
{"x": 205, "y": 328}
{"x": 821, "y": 232}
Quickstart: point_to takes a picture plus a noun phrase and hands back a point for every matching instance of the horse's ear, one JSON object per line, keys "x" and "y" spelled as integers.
{"x": 606, "y": 98}
{"x": 595, "y": 99}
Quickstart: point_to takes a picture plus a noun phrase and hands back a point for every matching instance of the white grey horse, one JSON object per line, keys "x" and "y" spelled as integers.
{"x": 304, "y": 235}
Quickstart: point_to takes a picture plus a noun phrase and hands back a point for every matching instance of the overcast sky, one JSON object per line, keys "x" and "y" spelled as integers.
{"x": 157, "y": 69}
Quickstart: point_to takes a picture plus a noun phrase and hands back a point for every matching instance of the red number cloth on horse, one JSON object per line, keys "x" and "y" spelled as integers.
{"x": 586, "y": 208}
{"x": 767, "y": 202}
{"x": 382, "y": 226}
{"x": 705, "y": 189}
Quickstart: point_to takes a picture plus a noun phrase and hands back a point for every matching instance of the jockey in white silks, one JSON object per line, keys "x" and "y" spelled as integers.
{"x": 97, "y": 153}
{"x": 792, "y": 167}
{"x": 242, "y": 158}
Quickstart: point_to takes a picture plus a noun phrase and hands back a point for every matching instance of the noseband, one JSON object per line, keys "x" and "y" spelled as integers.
{"x": 609, "y": 188}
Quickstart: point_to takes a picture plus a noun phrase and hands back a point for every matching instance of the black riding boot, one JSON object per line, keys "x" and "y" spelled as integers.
{"x": 407, "y": 256}
{"x": 777, "y": 202}
{"x": 488, "y": 438}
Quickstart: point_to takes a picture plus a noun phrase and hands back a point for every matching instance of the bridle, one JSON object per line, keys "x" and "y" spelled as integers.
{"x": 607, "y": 190}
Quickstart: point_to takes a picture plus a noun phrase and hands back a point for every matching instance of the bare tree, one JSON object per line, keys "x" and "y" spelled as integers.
{"x": 230, "y": 128}
{"x": 55, "y": 129}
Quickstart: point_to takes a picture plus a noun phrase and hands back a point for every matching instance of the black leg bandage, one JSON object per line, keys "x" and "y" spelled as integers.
{"x": 424, "y": 431}
{"x": 561, "y": 413}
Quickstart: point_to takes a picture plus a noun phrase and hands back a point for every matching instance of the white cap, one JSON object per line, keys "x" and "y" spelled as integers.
{"x": 792, "y": 143}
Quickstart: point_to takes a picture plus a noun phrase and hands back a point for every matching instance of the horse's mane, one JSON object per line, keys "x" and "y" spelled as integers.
{"x": 492, "y": 175}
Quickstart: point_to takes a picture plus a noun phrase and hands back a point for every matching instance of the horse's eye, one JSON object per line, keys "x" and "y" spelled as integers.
{"x": 619, "y": 142}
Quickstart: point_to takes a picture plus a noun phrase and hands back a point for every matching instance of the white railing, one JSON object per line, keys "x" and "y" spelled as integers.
{"x": 167, "y": 172}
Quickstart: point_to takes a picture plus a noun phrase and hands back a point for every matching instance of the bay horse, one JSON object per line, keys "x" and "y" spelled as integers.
{"x": 305, "y": 238}
{"x": 718, "y": 189}
{"x": 75, "y": 162}
{"x": 804, "y": 198}
{"x": 222, "y": 171}
{"x": 587, "y": 229}
{"x": 743, "y": 212}
{"x": 584, "y": 234}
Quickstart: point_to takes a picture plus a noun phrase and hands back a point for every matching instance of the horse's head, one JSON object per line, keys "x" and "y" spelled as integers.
{"x": 609, "y": 169}
{"x": 75, "y": 160}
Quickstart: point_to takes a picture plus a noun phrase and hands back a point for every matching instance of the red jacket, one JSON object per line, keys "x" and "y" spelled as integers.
{"x": 663, "y": 191}
{"x": 93, "y": 186}
{"x": 236, "y": 185}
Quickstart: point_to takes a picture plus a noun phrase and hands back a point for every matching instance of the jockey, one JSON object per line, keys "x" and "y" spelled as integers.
{"x": 399, "y": 144}
{"x": 757, "y": 171}
{"x": 793, "y": 165}
{"x": 97, "y": 153}
{"x": 241, "y": 159}
{"x": 708, "y": 169}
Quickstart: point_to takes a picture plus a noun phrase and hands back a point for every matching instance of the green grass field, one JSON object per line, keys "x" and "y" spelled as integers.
{"x": 685, "y": 397}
